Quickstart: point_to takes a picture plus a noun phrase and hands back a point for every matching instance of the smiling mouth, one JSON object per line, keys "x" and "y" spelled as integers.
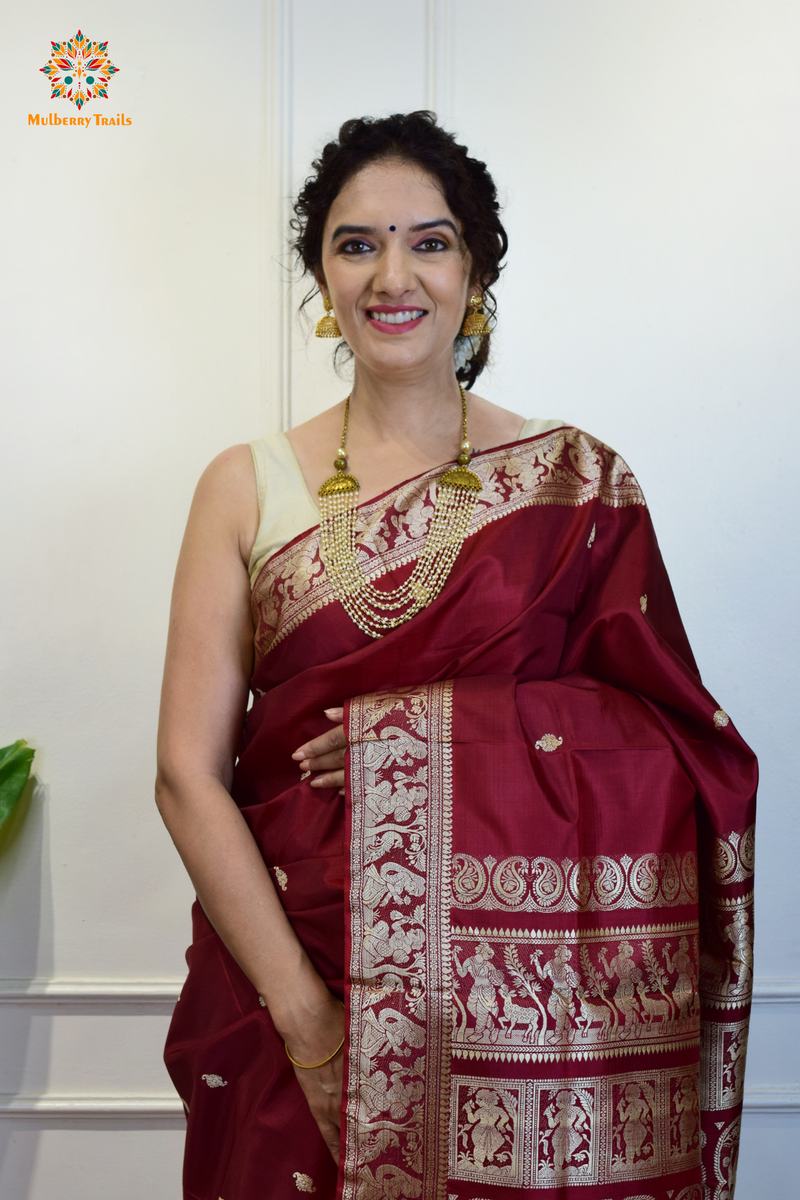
{"x": 396, "y": 318}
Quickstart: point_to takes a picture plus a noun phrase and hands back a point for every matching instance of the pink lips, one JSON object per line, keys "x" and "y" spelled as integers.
{"x": 385, "y": 327}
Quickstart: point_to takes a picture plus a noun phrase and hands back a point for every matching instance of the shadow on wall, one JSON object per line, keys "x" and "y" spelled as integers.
{"x": 26, "y": 952}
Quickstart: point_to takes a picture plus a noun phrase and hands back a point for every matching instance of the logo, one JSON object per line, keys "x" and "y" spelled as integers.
{"x": 79, "y": 70}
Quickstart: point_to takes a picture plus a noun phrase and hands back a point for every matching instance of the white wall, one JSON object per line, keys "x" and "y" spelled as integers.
{"x": 648, "y": 155}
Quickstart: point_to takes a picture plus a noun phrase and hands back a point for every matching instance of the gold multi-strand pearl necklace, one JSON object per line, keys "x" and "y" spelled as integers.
{"x": 374, "y": 609}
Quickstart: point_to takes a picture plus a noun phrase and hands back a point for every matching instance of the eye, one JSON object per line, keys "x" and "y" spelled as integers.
{"x": 355, "y": 246}
{"x": 431, "y": 243}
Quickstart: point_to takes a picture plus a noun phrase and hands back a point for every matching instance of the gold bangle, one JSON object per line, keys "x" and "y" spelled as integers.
{"x": 312, "y": 1066}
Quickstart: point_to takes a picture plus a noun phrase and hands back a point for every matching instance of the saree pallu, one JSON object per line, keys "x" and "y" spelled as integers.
{"x": 535, "y": 898}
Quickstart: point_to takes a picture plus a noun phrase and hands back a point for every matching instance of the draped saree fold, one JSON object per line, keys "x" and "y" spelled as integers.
{"x": 535, "y": 898}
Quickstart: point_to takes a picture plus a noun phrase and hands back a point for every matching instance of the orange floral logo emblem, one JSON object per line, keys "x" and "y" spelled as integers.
{"x": 79, "y": 70}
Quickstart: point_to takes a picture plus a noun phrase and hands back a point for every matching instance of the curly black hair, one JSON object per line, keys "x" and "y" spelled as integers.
{"x": 466, "y": 184}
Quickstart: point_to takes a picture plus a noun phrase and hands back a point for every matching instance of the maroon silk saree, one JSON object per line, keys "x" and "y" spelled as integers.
{"x": 535, "y": 898}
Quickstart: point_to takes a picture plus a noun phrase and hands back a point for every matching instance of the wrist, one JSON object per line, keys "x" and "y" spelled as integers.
{"x": 300, "y": 1006}
{"x": 317, "y": 1039}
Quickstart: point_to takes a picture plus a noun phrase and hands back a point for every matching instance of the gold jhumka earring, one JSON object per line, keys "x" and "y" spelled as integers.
{"x": 373, "y": 609}
{"x": 476, "y": 323}
{"x": 328, "y": 326}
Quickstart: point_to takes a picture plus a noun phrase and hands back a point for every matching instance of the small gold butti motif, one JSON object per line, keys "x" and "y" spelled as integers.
{"x": 721, "y": 719}
{"x": 643, "y": 603}
{"x": 304, "y": 1183}
{"x": 215, "y": 1081}
{"x": 548, "y": 743}
{"x": 591, "y": 536}
{"x": 281, "y": 875}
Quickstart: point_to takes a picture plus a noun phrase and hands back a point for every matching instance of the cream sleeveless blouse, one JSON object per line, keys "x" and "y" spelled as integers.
{"x": 285, "y": 504}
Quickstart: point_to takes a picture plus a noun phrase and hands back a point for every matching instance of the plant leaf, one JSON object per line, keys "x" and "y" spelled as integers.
{"x": 15, "y": 767}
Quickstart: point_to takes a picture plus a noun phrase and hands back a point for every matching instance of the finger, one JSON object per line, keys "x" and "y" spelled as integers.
{"x": 330, "y": 1135}
{"x": 324, "y": 762}
{"x": 334, "y": 739}
{"x": 330, "y": 779}
{"x": 335, "y": 714}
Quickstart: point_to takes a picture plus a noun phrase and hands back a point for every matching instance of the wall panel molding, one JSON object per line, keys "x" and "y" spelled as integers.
{"x": 102, "y": 993}
{"x": 776, "y": 991}
{"x": 153, "y": 996}
{"x": 439, "y": 33}
{"x": 277, "y": 188}
{"x": 49, "y": 1107}
{"x": 772, "y": 1100}
{"x": 81, "y": 1106}
{"x": 166, "y": 991}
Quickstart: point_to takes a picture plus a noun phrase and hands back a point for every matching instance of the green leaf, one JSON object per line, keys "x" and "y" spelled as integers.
{"x": 15, "y": 767}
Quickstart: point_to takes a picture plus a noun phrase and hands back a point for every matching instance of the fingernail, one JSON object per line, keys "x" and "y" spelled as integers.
{"x": 299, "y": 753}
{"x": 304, "y": 765}
{"x": 334, "y": 712}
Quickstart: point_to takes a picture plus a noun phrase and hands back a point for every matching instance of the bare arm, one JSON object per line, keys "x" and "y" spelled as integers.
{"x": 204, "y": 696}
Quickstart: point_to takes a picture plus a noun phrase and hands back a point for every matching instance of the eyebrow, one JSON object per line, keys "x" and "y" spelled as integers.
{"x": 370, "y": 229}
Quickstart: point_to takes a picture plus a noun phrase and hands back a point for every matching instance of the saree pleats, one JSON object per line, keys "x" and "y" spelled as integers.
{"x": 535, "y": 898}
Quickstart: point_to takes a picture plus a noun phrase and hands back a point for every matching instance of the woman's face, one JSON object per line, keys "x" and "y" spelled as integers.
{"x": 395, "y": 268}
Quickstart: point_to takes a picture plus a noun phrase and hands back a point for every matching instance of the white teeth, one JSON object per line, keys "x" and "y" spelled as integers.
{"x": 398, "y": 318}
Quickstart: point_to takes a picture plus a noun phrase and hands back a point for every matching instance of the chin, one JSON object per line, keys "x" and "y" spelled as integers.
{"x": 393, "y": 356}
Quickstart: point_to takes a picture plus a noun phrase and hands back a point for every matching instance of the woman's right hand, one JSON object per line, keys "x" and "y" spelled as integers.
{"x": 325, "y": 753}
{"x": 322, "y": 1086}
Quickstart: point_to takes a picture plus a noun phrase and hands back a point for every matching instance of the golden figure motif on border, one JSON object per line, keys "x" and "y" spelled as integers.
{"x": 726, "y": 1158}
{"x": 634, "y": 1107}
{"x": 722, "y": 1063}
{"x": 536, "y": 995}
{"x": 401, "y": 795}
{"x": 487, "y": 1138}
{"x": 726, "y": 976}
{"x": 554, "y": 1133}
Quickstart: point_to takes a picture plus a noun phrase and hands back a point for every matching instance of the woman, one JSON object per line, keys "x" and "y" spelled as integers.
{"x": 477, "y": 735}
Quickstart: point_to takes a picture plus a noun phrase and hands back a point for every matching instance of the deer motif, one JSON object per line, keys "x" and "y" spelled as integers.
{"x": 653, "y": 1008}
{"x": 592, "y": 1014}
{"x": 517, "y": 1014}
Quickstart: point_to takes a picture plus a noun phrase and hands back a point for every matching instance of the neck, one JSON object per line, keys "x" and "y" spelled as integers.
{"x": 422, "y": 413}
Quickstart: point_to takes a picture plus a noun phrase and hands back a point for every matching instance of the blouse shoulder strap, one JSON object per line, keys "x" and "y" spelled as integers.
{"x": 285, "y": 507}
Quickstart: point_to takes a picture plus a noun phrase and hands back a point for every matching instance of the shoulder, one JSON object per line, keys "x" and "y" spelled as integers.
{"x": 596, "y": 460}
{"x": 568, "y": 465}
{"x": 226, "y": 497}
{"x": 229, "y": 474}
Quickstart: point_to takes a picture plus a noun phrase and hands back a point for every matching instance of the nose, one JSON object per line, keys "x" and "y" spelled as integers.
{"x": 394, "y": 275}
